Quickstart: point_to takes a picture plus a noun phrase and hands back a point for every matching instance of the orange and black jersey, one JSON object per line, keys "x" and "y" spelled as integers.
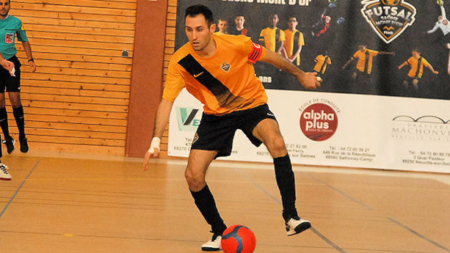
{"x": 365, "y": 60}
{"x": 322, "y": 61}
{"x": 224, "y": 82}
{"x": 417, "y": 65}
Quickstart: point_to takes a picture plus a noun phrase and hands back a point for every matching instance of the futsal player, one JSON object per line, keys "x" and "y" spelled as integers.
{"x": 218, "y": 71}
{"x": 240, "y": 29}
{"x": 322, "y": 61}
{"x": 294, "y": 41}
{"x": 5, "y": 66}
{"x": 363, "y": 72}
{"x": 417, "y": 64}
{"x": 272, "y": 37}
{"x": 10, "y": 28}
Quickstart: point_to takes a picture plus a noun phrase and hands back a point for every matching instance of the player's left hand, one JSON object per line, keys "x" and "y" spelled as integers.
{"x": 309, "y": 80}
{"x": 32, "y": 66}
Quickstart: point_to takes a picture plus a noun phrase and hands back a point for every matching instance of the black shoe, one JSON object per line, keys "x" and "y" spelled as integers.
{"x": 23, "y": 145}
{"x": 9, "y": 145}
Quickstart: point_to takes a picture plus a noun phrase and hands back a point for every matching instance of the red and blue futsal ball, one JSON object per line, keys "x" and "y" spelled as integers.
{"x": 238, "y": 239}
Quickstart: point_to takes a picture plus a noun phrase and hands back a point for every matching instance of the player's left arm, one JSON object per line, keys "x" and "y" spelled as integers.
{"x": 402, "y": 65}
{"x": 307, "y": 79}
{"x": 432, "y": 69}
{"x": 27, "y": 48}
{"x": 388, "y": 53}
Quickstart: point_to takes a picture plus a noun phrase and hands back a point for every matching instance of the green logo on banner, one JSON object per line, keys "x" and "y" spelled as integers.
{"x": 186, "y": 119}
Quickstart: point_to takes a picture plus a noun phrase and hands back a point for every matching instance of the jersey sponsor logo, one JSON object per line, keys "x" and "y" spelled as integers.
{"x": 388, "y": 18}
{"x": 199, "y": 74}
{"x": 9, "y": 38}
{"x": 226, "y": 67}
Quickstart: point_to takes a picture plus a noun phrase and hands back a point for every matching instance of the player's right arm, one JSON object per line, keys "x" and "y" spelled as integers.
{"x": 348, "y": 62}
{"x": 174, "y": 85}
{"x": 404, "y": 64}
{"x": 307, "y": 79}
{"x": 7, "y": 64}
{"x": 162, "y": 117}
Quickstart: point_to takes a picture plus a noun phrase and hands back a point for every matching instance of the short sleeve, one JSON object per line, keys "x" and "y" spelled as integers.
{"x": 174, "y": 82}
{"x": 21, "y": 33}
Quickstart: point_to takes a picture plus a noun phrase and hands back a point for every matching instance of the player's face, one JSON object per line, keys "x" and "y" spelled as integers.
{"x": 362, "y": 47}
{"x": 223, "y": 26}
{"x": 415, "y": 54}
{"x": 240, "y": 20}
{"x": 273, "y": 20}
{"x": 198, "y": 32}
{"x": 5, "y": 6}
{"x": 292, "y": 23}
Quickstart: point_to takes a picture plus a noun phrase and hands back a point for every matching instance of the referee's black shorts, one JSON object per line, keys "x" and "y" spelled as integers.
{"x": 217, "y": 132}
{"x": 11, "y": 83}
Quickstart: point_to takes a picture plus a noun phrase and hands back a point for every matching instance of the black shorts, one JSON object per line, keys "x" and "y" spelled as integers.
{"x": 217, "y": 132}
{"x": 11, "y": 83}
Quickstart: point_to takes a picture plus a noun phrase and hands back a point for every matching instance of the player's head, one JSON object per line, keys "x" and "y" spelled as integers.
{"x": 273, "y": 20}
{"x": 416, "y": 53}
{"x": 5, "y": 6}
{"x": 292, "y": 23}
{"x": 195, "y": 10}
{"x": 239, "y": 20}
{"x": 223, "y": 25}
{"x": 327, "y": 19}
{"x": 199, "y": 26}
{"x": 362, "y": 46}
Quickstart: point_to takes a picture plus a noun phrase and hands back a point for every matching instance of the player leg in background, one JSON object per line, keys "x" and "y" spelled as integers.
{"x": 415, "y": 85}
{"x": 9, "y": 141}
{"x": 198, "y": 163}
{"x": 448, "y": 66}
{"x": 406, "y": 86}
{"x": 269, "y": 133}
{"x": 4, "y": 174}
{"x": 18, "y": 113}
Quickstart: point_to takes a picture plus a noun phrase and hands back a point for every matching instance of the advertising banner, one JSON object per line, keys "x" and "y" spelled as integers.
{"x": 385, "y": 93}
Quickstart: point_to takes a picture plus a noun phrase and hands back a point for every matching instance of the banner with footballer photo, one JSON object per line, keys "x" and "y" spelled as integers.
{"x": 386, "y": 80}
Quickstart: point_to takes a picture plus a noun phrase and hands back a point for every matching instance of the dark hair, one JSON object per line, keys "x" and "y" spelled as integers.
{"x": 195, "y": 10}
{"x": 416, "y": 50}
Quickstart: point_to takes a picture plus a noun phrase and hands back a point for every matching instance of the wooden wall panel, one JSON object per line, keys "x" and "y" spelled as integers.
{"x": 169, "y": 50}
{"x": 77, "y": 101}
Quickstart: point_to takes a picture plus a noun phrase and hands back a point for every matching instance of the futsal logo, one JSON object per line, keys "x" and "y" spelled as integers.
{"x": 187, "y": 119}
{"x": 388, "y": 18}
{"x": 318, "y": 122}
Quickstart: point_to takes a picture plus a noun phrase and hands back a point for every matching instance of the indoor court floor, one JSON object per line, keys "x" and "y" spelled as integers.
{"x": 66, "y": 203}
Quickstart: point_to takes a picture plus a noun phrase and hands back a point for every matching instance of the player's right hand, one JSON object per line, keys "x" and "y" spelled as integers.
{"x": 309, "y": 80}
{"x": 8, "y": 66}
{"x": 152, "y": 152}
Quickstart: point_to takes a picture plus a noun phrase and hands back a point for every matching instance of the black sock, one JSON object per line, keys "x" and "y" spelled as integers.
{"x": 20, "y": 120}
{"x": 4, "y": 122}
{"x": 286, "y": 183}
{"x": 207, "y": 205}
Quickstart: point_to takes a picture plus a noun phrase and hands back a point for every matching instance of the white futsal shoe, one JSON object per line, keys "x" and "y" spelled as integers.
{"x": 297, "y": 225}
{"x": 214, "y": 244}
{"x": 4, "y": 175}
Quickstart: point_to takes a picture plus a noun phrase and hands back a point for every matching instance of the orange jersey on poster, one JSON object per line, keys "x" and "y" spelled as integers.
{"x": 365, "y": 60}
{"x": 224, "y": 82}
{"x": 321, "y": 63}
{"x": 417, "y": 66}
